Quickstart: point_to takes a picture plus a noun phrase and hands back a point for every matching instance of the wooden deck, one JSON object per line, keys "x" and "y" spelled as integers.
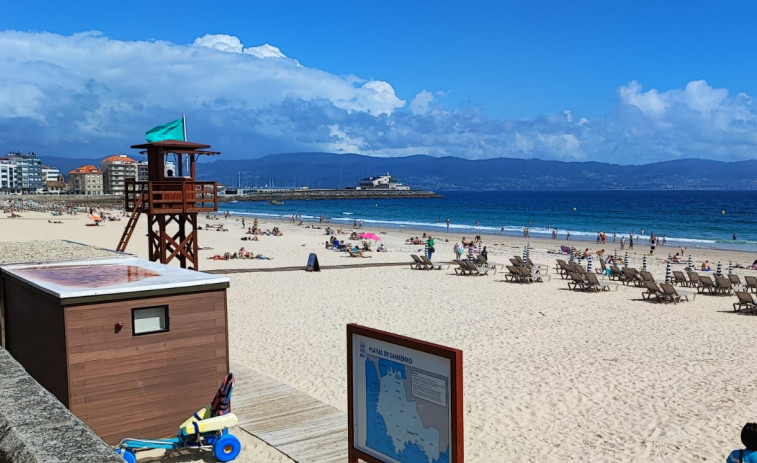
{"x": 296, "y": 424}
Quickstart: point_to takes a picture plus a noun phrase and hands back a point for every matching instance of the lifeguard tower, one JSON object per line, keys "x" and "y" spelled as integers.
{"x": 171, "y": 201}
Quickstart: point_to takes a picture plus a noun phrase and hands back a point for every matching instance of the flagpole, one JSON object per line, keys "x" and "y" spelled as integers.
{"x": 184, "y": 123}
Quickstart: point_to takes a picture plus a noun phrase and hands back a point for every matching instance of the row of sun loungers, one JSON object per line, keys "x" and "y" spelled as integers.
{"x": 588, "y": 282}
{"x": 423, "y": 263}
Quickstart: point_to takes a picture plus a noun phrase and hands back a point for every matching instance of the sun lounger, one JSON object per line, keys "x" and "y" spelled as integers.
{"x": 735, "y": 281}
{"x": 694, "y": 280}
{"x": 462, "y": 268}
{"x": 593, "y": 283}
{"x": 750, "y": 283}
{"x": 616, "y": 273}
{"x": 530, "y": 276}
{"x": 512, "y": 273}
{"x": 430, "y": 265}
{"x": 745, "y": 302}
{"x": 723, "y": 286}
{"x": 476, "y": 269}
{"x": 671, "y": 294}
{"x": 646, "y": 276}
{"x": 652, "y": 290}
{"x": 705, "y": 284}
{"x": 564, "y": 268}
{"x": 417, "y": 264}
{"x": 576, "y": 282}
{"x": 602, "y": 267}
{"x": 679, "y": 278}
{"x": 631, "y": 276}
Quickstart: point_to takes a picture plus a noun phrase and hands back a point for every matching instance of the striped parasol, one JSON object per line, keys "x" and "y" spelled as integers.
{"x": 719, "y": 271}
{"x": 590, "y": 265}
{"x": 669, "y": 270}
{"x": 644, "y": 264}
{"x": 690, "y": 268}
{"x": 730, "y": 267}
{"x": 525, "y": 254}
{"x": 625, "y": 260}
{"x": 479, "y": 247}
{"x": 615, "y": 254}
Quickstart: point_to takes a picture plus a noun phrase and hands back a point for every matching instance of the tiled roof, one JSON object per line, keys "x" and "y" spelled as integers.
{"x": 89, "y": 169}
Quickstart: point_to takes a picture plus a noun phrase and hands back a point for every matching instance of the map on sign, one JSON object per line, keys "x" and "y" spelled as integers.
{"x": 402, "y": 402}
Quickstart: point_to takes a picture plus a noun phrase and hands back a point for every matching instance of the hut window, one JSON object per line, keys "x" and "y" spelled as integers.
{"x": 147, "y": 320}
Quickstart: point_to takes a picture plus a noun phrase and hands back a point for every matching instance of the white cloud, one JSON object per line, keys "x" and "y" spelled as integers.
{"x": 86, "y": 95}
{"x": 421, "y": 102}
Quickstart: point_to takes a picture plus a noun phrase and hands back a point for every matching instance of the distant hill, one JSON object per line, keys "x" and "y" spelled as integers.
{"x": 329, "y": 170}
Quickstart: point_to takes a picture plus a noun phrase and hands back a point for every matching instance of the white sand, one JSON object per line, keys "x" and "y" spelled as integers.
{"x": 549, "y": 374}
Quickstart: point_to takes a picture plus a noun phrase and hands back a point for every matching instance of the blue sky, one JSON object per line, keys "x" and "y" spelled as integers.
{"x": 621, "y": 82}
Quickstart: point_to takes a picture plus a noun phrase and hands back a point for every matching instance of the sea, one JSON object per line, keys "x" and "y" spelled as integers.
{"x": 693, "y": 219}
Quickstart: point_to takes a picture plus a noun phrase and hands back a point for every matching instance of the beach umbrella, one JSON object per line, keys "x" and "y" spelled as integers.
{"x": 571, "y": 257}
{"x": 479, "y": 247}
{"x": 625, "y": 260}
{"x": 644, "y": 264}
{"x": 589, "y": 265}
{"x": 615, "y": 255}
{"x": 425, "y": 249}
{"x": 525, "y": 254}
{"x": 730, "y": 267}
{"x": 669, "y": 270}
{"x": 691, "y": 264}
{"x": 370, "y": 236}
{"x": 719, "y": 271}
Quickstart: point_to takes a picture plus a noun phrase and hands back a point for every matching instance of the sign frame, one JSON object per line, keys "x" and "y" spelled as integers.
{"x": 455, "y": 358}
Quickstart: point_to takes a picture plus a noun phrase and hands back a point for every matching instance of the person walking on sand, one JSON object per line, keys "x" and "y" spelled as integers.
{"x": 430, "y": 247}
{"x": 630, "y": 241}
{"x": 567, "y": 235}
{"x": 447, "y": 223}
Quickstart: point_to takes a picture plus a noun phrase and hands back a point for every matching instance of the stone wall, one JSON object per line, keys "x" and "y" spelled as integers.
{"x": 36, "y": 428}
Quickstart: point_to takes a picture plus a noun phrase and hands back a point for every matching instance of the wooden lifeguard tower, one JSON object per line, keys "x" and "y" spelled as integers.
{"x": 171, "y": 201}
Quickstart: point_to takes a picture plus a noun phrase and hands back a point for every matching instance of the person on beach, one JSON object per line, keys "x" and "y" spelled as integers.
{"x": 706, "y": 266}
{"x": 447, "y": 223}
{"x": 754, "y": 265}
{"x": 622, "y": 242}
{"x": 567, "y": 235}
{"x": 457, "y": 250}
{"x": 749, "y": 439}
{"x": 652, "y": 244}
{"x": 630, "y": 242}
{"x": 430, "y": 247}
{"x": 485, "y": 254}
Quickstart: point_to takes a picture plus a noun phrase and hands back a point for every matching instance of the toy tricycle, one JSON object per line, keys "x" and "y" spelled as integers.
{"x": 207, "y": 429}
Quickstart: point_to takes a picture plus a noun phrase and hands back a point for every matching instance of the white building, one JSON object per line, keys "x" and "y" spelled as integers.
{"x": 382, "y": 182}
{"x": 116, "y": 169}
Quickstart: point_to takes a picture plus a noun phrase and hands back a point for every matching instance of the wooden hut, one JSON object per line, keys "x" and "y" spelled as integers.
{"x": 129, "y": 346}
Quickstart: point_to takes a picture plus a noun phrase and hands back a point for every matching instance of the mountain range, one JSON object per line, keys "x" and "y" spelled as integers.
{"x": 329, "y": 170}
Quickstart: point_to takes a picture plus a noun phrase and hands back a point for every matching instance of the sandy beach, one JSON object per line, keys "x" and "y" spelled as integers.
{"x": 550, "y": 374}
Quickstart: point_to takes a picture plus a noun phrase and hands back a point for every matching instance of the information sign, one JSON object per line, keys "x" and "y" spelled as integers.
{"x": 405, "y": 399}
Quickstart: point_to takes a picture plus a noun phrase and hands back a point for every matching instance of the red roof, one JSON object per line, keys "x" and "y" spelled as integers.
{"x": 119, "y": 158}
{"x": 89, "y": 169}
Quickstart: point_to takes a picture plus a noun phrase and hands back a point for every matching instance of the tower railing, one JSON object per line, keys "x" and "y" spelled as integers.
{"x": 172, "y": 196}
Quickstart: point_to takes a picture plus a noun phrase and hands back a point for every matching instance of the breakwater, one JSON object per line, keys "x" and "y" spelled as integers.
{"x": 293, "y": 195}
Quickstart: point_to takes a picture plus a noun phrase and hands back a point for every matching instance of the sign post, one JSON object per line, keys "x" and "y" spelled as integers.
{"x": 404, "y": 399}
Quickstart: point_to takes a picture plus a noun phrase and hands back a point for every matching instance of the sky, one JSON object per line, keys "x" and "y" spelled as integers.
{"x": 618, "y": 82}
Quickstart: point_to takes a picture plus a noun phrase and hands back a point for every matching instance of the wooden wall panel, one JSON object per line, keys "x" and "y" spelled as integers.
{"x": 145, "y": 386}
{"x": 34, "y": 335}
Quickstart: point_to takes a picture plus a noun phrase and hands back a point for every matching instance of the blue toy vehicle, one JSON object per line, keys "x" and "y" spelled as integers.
{"x": 207, "y": 429}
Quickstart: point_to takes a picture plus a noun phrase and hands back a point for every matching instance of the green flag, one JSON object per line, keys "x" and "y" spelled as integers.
{"x": 173, "y": 130}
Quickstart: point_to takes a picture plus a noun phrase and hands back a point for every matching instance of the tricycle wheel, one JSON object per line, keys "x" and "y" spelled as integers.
{"x": 227, "y": 448}
{"x": 127, "y": 455}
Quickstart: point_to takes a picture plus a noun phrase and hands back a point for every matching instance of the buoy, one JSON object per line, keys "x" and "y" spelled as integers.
{"x": 574, "y": 208}
{"x": 722, "y": 212}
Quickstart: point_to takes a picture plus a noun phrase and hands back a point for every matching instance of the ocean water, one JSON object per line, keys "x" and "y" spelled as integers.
{"x": 686, "y": 218}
